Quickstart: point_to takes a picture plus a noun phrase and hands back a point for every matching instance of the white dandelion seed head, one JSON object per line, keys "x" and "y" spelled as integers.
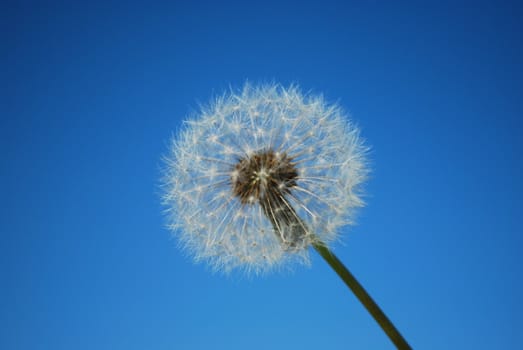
{"x": 259, "y": 175}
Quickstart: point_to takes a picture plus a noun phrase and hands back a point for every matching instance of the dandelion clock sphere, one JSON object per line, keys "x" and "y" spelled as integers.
{"x": 261, "y": 174}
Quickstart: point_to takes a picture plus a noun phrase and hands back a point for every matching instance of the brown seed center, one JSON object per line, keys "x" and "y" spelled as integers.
{"x": 266, "y": 177}
{"x": 263, "y": 175}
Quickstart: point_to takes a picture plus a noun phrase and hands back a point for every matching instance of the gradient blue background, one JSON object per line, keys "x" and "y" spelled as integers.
{"x": 92, "y": 92}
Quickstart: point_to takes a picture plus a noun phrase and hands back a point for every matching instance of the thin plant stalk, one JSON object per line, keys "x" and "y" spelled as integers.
{"x": 358, "y": 290}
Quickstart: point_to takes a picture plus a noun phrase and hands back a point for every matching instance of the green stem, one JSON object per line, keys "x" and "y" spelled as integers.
{"x": 347, "y": 277}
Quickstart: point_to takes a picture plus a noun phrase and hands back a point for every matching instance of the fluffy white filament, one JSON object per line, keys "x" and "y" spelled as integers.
{"x": 213, "y": 224}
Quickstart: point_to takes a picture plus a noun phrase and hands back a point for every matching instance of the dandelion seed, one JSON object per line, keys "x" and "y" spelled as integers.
{"x": 260, "y": 175}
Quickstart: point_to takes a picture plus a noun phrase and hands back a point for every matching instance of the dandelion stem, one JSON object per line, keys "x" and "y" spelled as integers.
{"x": 373, "y": 308}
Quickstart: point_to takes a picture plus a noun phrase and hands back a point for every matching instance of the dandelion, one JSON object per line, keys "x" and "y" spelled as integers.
{"x": 261, "y": 175}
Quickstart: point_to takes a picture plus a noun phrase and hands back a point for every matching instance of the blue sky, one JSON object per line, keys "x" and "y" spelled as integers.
{"x": 92, "y": 92}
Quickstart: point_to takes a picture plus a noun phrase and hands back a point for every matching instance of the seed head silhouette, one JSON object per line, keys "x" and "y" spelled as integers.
{"x": 259, "y": 175}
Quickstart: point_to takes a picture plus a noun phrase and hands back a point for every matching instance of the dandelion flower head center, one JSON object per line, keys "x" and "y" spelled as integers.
{"x": 267, "y": 177}
{"x": 263, "y": 176}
